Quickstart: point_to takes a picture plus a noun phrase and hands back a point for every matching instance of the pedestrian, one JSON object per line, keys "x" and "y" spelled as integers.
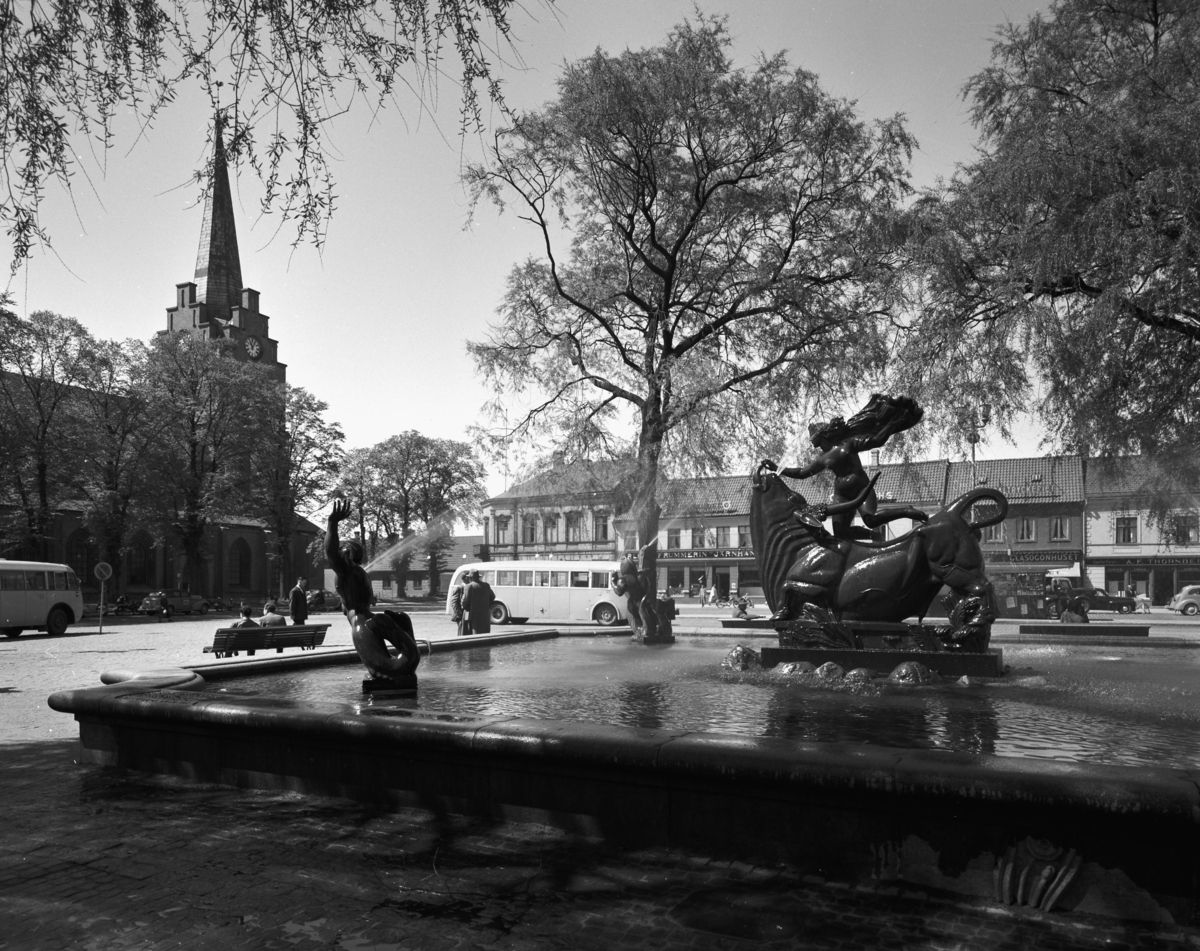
{"x": 271, "y": 617}
{"x": 298, "y": 601}
{"x": 458, "y": 606}
{"x": 477, "y": 602}
{"x": 712, "y": 594}
{"x": 164, "y": 607}
{"x": 247, "y": 620}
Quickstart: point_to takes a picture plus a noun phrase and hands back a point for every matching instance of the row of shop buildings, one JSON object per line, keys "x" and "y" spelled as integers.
{"x": 1067, "y": 515}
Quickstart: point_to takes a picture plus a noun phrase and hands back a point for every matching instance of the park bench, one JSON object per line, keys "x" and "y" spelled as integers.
{"x": 228, "y": 641}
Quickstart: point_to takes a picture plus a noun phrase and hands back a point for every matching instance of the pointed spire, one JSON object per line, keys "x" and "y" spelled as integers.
{"x": 218, "y": 266}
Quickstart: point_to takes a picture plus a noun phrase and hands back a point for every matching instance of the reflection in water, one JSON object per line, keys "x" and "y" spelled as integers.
{"x": 1066, "y": 704}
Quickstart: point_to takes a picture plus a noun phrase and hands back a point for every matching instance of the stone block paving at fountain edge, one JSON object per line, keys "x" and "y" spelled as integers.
{"x": 109, "y": 859}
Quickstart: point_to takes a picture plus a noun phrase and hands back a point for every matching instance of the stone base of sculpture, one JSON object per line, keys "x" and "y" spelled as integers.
{"x": 404, "y": 685}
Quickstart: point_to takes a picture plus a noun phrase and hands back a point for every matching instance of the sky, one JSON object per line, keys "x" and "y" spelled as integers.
{"x": 376, "y": 322}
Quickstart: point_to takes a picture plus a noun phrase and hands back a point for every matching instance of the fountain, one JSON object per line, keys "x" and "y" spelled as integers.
{"x": 852, "y": 778}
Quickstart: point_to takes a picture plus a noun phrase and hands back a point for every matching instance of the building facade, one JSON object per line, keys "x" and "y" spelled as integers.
{"x": 1130, "y": 546}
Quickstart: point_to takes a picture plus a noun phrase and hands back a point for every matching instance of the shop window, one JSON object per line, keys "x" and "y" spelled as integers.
{"x": 1126, "y": 530}
{"x": 529, "y": 530}
{"x": 996, "y": 533}
{"x": 674, "y": 580}
{"x": 1026, "y": 529}
{"x": 1060, "y": 528}
{"x": 723, "y": 536}
{"x": 673, "y": 539}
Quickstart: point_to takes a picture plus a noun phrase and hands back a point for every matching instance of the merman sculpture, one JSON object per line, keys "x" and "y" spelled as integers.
{"x": 371, "y": 632}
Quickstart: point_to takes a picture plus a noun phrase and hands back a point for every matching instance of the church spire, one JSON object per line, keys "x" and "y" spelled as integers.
{"x": 218, "y": 266}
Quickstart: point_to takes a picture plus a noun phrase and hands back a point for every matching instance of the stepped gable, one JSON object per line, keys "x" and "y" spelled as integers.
{"x": 1037, "y": 479}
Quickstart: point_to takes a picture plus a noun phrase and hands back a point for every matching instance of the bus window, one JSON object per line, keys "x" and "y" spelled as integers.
{"x": 599, "y": 579}
{"x": 489, "y": 577}
{"x": 12, "y": 580}
{"x": 35, "y": 581}
{"x": 579, "y": 579}
{"x": 526, "y": 580}
{"x": 541, "y": 579}
{"x": 560, "y": 579}
{"x": 72, "y": 580}
{"x": 60, "y": 581}
{"x": 506, "y": 578}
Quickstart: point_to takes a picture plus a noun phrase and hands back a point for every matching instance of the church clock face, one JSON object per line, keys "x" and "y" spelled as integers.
{"x": 253, "y": 347}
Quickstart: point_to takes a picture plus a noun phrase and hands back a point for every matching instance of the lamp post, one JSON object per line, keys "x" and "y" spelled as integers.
{"x": 980, "y": 416}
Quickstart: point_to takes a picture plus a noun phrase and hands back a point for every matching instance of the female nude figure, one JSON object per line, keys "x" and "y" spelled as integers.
{"x": 371, "y": 632}
{"x": 840, "y": 442}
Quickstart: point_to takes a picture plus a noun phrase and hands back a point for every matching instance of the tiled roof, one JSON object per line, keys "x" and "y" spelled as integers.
{"x": 1036, "y": 479}
{"x": 574, "y": 479}
{"x": 912, "y": 483}
{"x": 1133, "y": 476}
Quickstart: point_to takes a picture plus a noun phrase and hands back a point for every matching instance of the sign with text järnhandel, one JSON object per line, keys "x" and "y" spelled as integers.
{"x": 691, "y": 554}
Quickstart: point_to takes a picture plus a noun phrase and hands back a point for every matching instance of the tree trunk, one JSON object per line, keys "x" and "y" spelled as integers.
{"x": 646, "y": 512}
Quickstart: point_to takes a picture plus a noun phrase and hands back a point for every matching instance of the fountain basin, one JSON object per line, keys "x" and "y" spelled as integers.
{"x": 854, "y": 812}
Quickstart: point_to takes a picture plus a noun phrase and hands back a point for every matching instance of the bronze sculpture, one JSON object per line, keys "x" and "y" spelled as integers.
{"x": 371, "y": 632}
{"x": 816, "y": 580}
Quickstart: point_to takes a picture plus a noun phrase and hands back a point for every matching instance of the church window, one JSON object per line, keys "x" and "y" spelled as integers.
{"x": 81, "y": 555}
{"x": 237, "y": 574}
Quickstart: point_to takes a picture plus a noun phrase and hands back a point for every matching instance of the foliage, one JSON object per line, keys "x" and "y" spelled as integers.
{"x": 281, "y": 70}
{"x": 43, "y": 362}
{"x": 727, "y": 233}
{"x": 295, "y": 461}
{"x": 1071, "y": 242}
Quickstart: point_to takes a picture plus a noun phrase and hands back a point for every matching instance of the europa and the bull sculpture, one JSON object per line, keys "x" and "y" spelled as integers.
{"x": 817, "y": 580}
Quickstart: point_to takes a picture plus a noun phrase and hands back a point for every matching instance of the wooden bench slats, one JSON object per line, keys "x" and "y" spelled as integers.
{"x": 229, "y": 640}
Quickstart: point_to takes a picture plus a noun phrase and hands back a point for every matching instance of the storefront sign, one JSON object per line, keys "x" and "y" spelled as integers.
{"x": 1189, "y": 561}
{"x": 693, "y": 554}
{"x": 1055, "y": 556}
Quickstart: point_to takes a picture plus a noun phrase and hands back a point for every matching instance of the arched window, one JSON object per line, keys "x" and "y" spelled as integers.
{"x": 139, "y": 561}
{"x": 237, "y": 574}
{"x": 81, "y": 555}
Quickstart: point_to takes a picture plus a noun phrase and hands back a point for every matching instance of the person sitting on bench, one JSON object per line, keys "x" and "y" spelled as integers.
{"x": 271, "y": 617}
{"x": 247, "y": 620}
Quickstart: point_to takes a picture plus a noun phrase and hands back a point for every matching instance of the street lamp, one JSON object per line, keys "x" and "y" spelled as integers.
{"x": 980, "y": 417}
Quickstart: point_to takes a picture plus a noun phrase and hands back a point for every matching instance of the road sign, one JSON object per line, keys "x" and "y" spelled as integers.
{"x": 103, "y": 571}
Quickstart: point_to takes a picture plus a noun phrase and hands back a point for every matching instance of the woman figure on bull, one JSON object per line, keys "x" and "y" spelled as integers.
{"x": 839, "y": 442}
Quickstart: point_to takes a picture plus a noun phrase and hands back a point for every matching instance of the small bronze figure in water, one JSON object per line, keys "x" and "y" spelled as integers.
{"x": 371, "y": 632}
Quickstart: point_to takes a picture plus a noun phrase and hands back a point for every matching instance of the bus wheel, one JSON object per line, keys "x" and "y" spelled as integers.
{"x": 606, "y": 615}
{"x": 12, "y": 631}
{"x": 57, "y": 621}
{"x": 499, "y": 613}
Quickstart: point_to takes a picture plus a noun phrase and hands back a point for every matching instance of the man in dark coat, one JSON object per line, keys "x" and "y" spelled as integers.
{"x": 477, "y": 604}
{"x": 298, "y": 602}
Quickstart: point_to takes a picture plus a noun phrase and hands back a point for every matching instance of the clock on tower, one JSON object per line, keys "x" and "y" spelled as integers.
{"x": 253, "y": 347}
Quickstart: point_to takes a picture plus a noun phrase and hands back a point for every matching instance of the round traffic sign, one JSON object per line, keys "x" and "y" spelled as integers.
{"x": 103, "y": 571}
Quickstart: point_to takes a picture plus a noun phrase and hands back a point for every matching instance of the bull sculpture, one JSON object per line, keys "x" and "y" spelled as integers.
{"x": 816, "y": 580}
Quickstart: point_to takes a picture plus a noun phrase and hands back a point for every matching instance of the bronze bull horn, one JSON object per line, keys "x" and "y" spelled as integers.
{"x": 852, "y": 506}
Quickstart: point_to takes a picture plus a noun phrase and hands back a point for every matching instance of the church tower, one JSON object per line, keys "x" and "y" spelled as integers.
{"x": 215, "y": 304}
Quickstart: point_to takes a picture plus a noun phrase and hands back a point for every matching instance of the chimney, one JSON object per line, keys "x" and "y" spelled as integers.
{"x": 557, "y": 457}
{"x": 875, "y": 458}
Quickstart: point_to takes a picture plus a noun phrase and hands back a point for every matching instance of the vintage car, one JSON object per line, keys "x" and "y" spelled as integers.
{"x": 1187, "y": 601}
{"x": 1091, "y": 599}
{"x": 180, "y": 601}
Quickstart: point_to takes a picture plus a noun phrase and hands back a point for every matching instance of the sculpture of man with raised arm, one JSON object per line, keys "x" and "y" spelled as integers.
{"x": 371, "y": 632}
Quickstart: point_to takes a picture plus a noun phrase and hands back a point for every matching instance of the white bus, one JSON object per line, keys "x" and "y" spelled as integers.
{"x": 35, "y": 595}
{"x": 549, "y": 590}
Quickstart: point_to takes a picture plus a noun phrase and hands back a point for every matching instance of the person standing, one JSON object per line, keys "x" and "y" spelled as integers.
{"x": 457, "y": 605}
{"x": 164, "y": 607}
{"x": 477, "y": 603}
{"x": 298, "y": 601}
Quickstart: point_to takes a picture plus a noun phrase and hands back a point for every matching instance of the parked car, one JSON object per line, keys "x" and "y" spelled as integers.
{"x": 1187, "y": 601}
{"x": 322, "y": 599}
{"x": 181, "y": 602}
{"x": 1092, "y": 599}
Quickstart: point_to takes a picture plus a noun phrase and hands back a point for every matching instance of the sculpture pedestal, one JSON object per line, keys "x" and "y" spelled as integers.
{"x": 391, "y": 686}
{"x": 946, "y": 663}
{"x": 655, "y": 639}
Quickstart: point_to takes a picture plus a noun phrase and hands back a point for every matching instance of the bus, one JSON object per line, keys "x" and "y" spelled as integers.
{"x": 549, "y": 590}
{"x": 38, "y": 596}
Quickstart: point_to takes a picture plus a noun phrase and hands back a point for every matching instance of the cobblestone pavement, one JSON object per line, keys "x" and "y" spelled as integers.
{"x": 106, "y": 859}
